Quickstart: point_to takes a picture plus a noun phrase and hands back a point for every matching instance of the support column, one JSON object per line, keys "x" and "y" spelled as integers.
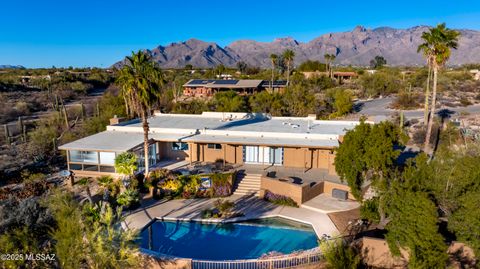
{"x": 190, "y": 145}
{"x": 224, "y": 147}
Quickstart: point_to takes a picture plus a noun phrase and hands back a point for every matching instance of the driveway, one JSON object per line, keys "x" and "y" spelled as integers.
{"x": 378, "y": 109}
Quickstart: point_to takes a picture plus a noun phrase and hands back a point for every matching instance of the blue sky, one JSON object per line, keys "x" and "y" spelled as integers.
{"x": 99, "y": 32}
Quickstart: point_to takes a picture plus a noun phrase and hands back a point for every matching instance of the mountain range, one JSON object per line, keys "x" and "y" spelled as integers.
{"x": 356, "y": 47}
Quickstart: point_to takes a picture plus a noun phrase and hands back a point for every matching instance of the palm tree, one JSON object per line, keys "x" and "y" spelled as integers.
{"x": 288, "y": 56}
{"x": 436, "y": 48}
{"x": 273, "y": 59}
{"x": 329, "y": 58}
{"x": 141, "y": 80}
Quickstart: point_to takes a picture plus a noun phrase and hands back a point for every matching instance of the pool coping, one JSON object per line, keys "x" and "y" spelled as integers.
{"x": 232, "y": 220}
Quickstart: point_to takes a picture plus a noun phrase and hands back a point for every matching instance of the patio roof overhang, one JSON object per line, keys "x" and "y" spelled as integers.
{"x": 117, "y": 141}
{"x": 263, "y": 141}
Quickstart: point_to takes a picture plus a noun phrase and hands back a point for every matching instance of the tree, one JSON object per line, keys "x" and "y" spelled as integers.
{"x": 368, "y": 153}
{"x": 329, "y": 58}
{"x": 437, "y": 46}
{"x": 273, "y": 59}
{"x": 142, "y": 82}
{"x": 288, "y": 56}
{"x": 378, "y": 62}
{"x": 242, "y": 67}
{"x": 265, "y": 102}
{"x": 229, "y": 101}
{"x": 312, "y": 66}
{"x": 342, "y": 101}
{"x": 414, "y": 226}
{"x": 298, "y": 101}
{"x": 126, "y": 163}
{"x": 98, "y": 242}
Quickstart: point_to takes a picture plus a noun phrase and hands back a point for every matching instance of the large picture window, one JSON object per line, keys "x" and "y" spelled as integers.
{"x": 107, "y": 158}
{"x": 263, "y": 155}
{"x": 83, "y": 156}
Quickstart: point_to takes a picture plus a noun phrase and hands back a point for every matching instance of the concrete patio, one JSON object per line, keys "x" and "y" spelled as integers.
{"x": 252, "y": 208}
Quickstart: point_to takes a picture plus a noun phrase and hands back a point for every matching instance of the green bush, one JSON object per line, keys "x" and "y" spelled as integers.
{"x": 339, "y": 255}
{"x": 369, "y": 210}
{"x": 129, "y": 198}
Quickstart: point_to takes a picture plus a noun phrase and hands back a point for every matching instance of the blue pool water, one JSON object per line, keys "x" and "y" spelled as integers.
{"x": 241, "y": 240}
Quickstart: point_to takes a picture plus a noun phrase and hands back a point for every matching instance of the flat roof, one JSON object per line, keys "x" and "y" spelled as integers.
{"x": 242, "y": 122}
{"x": 117, "y": 141}
{"x": 218, "y": 127}
{"x": 224, "y": 83}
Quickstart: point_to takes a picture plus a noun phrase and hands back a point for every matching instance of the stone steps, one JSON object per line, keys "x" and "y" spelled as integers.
{"x": 247, "y": 184}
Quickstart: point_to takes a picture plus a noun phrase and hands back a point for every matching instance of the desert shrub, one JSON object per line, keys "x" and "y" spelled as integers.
{"x": 129, "y": 198}
{"x": 224, "y": 207}
{"x": 406, "y": 100}
{"x": 464, "y": 101}
{"x": 28, "y": 212}
{"x": 339, "y": 255}
{"x": 342, "y": 101}
{"x": 279, "y": 199}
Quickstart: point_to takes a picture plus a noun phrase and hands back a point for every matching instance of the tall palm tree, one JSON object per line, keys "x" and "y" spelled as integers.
{"x": 273, "y": 59}
{"x": 141, "y": 80}
{"x": 436, "y": 48}
{"x": 288, "y": 56}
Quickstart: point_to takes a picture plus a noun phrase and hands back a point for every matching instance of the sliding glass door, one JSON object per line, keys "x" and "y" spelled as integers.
{"x": 263, "y": 155}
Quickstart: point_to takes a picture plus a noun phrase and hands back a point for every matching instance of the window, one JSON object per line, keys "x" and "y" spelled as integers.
{"x": 107, "y": 158}
{"x": 76, "y": 156}
{"x": 179, "y": 146}
{"x": 214, "y": 146}
{"x": 83, "y": 156}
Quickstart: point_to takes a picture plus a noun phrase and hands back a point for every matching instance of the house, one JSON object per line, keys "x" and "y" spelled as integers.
{"x": 208, "y": 87}
{"x": 475, "y": 73}
{"x": 340, "y": 76}
{"x": 291, "y": 146}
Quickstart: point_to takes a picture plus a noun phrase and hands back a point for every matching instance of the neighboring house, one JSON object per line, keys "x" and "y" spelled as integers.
{"x": 289, "y": 144}
{"x": 475, "y": 73}
{"x": 340, "y": 76}
{"x": 208, "y": 87}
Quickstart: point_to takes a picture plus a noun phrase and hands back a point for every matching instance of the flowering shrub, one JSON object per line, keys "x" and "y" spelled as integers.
{"x": 279, "y": 199}
{"x": 222, "y": 184}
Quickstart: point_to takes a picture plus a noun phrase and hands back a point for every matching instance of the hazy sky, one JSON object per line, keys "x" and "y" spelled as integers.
{"x": 38, "y": 33}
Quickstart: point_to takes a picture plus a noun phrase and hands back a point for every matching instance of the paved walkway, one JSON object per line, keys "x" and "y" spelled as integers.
{"x": 325, "y": 203}
{"x": 252, "y": 208}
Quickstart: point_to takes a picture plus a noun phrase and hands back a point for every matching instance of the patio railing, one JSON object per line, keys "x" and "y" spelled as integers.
{"x": 282, "y": 262}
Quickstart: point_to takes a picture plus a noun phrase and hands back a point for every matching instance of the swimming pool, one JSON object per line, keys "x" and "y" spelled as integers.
{"x": 232, "y": 241}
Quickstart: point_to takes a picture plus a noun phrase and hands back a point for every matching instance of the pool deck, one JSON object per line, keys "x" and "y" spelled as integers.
{"x": 252, "y": 207}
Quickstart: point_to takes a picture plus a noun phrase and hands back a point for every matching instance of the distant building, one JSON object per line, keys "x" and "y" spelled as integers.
{"x": 340, "y": 76}
{"x": 475, "y": 73}
{"x": 208, "y": 87}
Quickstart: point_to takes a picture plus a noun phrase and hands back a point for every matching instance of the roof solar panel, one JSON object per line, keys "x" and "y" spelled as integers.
{"x": 226, "y": 82}
{"x": 200, "y": 81}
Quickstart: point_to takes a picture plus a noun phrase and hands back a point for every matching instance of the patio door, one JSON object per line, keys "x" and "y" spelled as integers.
{"x": 263, "y": 155}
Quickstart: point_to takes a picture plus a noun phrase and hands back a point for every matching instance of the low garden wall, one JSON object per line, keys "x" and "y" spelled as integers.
{"x": 301, "y": 193}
